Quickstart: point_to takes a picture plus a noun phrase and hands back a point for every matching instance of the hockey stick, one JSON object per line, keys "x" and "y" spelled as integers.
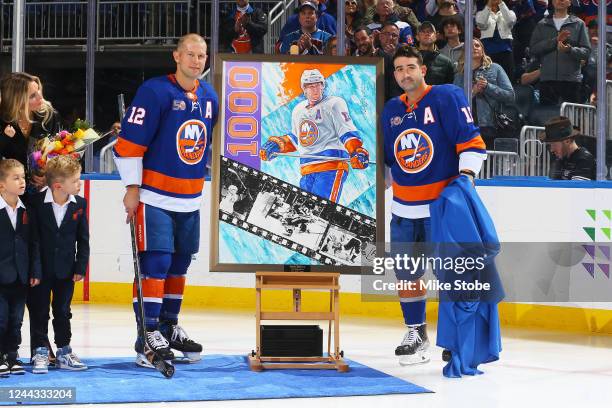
{"x": 313, "y": 156}
{"x": 159, "y": 363}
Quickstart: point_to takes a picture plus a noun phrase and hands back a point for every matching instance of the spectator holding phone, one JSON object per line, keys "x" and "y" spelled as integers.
{"x": 560, "y": 41}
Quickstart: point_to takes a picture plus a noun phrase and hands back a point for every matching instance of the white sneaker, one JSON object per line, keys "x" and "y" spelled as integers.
{"x": 40, "y": 361}
{"x": 67, "y": 360}
{"x": 4, "y": 368}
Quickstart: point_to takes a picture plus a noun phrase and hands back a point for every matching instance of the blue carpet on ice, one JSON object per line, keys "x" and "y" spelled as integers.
{"x": 216, "y": 377}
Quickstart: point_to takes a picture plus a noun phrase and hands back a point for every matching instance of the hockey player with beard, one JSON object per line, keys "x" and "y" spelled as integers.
{"x": 429, "y": 140}
{"x": 323, "y": 134}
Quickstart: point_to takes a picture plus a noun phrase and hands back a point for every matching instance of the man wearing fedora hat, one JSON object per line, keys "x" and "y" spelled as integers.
{"x": 572, "y": 161}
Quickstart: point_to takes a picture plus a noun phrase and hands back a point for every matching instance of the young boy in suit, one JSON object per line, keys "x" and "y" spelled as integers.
{"x": 63, "y": 231}
{"x": 19, "y": 263}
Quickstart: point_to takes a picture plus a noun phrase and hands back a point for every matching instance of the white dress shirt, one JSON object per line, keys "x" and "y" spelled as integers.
{"x": 58, "y": 210}
{"x": 12, "y": 213}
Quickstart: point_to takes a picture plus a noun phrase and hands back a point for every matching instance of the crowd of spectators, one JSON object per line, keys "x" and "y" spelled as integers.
{"x": 545, "y": 50}
{"x": 535, "y": 53}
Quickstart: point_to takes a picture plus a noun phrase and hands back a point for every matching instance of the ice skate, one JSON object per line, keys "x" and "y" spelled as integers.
{"x": 156, "y": 342}
{"x": 180, "y": 341}
{"x": 414, "y": 347}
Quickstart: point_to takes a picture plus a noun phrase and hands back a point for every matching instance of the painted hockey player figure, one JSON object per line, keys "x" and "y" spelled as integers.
{"x": 323, "y": 134}
{"x": 161, "y": 155}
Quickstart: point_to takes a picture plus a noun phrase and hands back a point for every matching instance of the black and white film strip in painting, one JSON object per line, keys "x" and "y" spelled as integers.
{"x": 286, "y": 215}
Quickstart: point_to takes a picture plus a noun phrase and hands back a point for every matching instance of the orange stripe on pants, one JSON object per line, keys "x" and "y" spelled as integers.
{"x": 336, "y": 187}
{"x": 151, "y": 288}
{"x": 175, "y": 285}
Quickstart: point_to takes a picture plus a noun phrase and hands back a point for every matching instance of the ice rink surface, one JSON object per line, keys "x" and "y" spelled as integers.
{"x": 537, "y": 368}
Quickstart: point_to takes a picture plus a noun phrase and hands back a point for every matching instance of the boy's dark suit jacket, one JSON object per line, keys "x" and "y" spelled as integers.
{"x": 64, "y": 251}
{"x": 19, "y": 254}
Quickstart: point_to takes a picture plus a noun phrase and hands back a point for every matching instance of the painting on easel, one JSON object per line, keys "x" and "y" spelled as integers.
{"x": 296, "y": 180}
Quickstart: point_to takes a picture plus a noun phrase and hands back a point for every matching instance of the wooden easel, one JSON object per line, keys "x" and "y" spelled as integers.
{"x": 297, "y": 281}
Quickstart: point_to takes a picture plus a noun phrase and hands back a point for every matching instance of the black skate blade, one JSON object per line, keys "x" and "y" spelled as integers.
{"x": 181, "y": 360}
{"x": 185, "y": 360}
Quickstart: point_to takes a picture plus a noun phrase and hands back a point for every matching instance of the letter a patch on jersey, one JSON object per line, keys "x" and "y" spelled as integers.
{"x": 428, "y": 116}
{"x": 208, "y": 114}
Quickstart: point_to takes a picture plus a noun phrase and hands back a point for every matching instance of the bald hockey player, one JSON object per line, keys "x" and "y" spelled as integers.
{"x": 161, "y": 155}
{"x": 324, "y": 136}
{"x": 429, "y": 139}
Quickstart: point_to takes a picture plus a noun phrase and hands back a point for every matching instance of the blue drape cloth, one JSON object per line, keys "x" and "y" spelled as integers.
{"x": 468, "y": 321}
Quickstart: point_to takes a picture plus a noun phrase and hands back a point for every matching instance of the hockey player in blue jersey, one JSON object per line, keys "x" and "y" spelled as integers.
{"x": 429, "y": 139}
{"x": 324, "y": 136}
{"x": 161, "y": 156}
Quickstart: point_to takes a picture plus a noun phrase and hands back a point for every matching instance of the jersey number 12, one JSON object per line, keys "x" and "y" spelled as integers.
{"x": 137, "y": 115}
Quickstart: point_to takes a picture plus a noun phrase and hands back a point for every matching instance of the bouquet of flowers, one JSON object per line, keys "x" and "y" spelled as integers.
{"x": 62, "y": 143}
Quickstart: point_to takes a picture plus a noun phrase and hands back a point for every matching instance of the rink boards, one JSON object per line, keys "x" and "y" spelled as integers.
{"x": 523, "y": 210}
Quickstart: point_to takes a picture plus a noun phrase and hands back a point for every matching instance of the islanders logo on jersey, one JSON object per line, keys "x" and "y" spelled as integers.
{"x": 309, "y": 133}
{"x": 191, "y": 140}
{"x": 413, "y": 150}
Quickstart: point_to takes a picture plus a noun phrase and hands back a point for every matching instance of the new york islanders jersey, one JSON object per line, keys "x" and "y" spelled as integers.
{"x": 426, "y": 144}
{"x": 318, "y": 39}
{"x": 165, "y": 137}
{"x": 325, "y": 129}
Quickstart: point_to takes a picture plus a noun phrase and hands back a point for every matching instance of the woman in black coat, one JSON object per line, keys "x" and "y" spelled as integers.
{"x": 25, "y": 117}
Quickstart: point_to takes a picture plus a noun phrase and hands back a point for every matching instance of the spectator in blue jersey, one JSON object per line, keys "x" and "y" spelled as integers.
{"x": 243, "y": 27}
{"x": 161, "y": 156}
{"x": 495, "y": 22}
{"x": 325, "y": 21}
{"x": 491, "y": 90}
{"x": 308, "y": 40}
{"x": 429, "y": 139}
{"x": 560, "y": 41}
